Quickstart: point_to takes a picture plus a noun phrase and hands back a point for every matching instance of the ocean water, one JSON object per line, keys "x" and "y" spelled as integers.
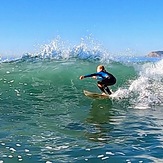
{"x": 46, "y": 118}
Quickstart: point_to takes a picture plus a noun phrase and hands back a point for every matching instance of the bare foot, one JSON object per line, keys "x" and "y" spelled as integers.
{"x": 104, "y": 94}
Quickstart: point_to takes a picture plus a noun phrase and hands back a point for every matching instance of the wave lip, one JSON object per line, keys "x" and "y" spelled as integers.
{"x": 87, "y": 49}
{"x": 57, "y": 49}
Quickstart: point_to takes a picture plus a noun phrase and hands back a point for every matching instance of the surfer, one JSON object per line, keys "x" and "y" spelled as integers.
{"x": 104, "y": 78}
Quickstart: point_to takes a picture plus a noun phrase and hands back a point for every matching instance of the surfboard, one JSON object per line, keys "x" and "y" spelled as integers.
{"x": 95, "y": 95}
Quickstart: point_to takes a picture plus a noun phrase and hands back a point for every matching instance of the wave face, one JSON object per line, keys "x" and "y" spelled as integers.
{"x": 45, "y": 116}
{"x": 138, "y": 78}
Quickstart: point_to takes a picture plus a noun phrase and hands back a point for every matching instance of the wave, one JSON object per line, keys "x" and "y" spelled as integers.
{"x": 139, "y": 79}
{"x": 140, "y": 85}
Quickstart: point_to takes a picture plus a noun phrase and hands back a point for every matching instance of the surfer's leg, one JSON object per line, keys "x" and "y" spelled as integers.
{"x": 101, "y": 88}
{"x": 107, "y": 90}
{"x": 108, "y": 82}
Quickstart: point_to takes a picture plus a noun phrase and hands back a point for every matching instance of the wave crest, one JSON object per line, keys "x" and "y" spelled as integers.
{"x": 87, "y": 49}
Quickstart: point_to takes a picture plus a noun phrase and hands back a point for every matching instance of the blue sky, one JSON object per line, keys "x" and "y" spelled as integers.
{"x": 117, "y": 24}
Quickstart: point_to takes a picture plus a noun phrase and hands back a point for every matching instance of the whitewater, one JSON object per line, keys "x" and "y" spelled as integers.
{"x": 46, "y": 118}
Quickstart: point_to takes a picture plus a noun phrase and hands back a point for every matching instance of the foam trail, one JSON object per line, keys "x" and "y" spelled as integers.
{"x": 147, "y": 89}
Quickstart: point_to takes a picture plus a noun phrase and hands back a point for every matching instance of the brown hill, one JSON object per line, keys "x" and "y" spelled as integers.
{"x": 156, "y": 54}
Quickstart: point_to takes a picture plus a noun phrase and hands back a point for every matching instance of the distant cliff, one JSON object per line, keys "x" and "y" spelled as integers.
{"x": 156, "y": 54}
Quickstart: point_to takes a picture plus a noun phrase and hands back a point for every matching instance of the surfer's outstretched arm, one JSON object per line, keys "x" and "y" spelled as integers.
{"x": 90, "y": 75}
{"x": 82, "y": 77}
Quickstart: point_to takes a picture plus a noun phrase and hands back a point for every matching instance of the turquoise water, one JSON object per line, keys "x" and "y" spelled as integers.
{"x": 46, "y": 118}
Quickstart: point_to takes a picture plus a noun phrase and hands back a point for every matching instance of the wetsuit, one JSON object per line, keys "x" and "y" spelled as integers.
{"x": 104, "y": 79}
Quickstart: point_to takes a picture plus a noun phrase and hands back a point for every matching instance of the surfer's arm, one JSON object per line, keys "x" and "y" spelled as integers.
{"x": 90, "y": 75}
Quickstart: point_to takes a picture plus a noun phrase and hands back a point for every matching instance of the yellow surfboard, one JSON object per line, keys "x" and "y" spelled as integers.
{"x": 95, "y": 95}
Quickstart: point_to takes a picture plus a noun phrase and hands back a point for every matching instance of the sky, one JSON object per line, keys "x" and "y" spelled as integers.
{"x": 117, "y": 24}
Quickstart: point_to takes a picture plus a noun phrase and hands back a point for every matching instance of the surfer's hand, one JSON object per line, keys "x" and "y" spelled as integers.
{"x": 94, "y": 77}
{"x": 81, "y": 77}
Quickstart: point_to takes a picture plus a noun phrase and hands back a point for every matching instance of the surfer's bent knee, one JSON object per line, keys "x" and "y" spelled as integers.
{"x": 99, "y": 85}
